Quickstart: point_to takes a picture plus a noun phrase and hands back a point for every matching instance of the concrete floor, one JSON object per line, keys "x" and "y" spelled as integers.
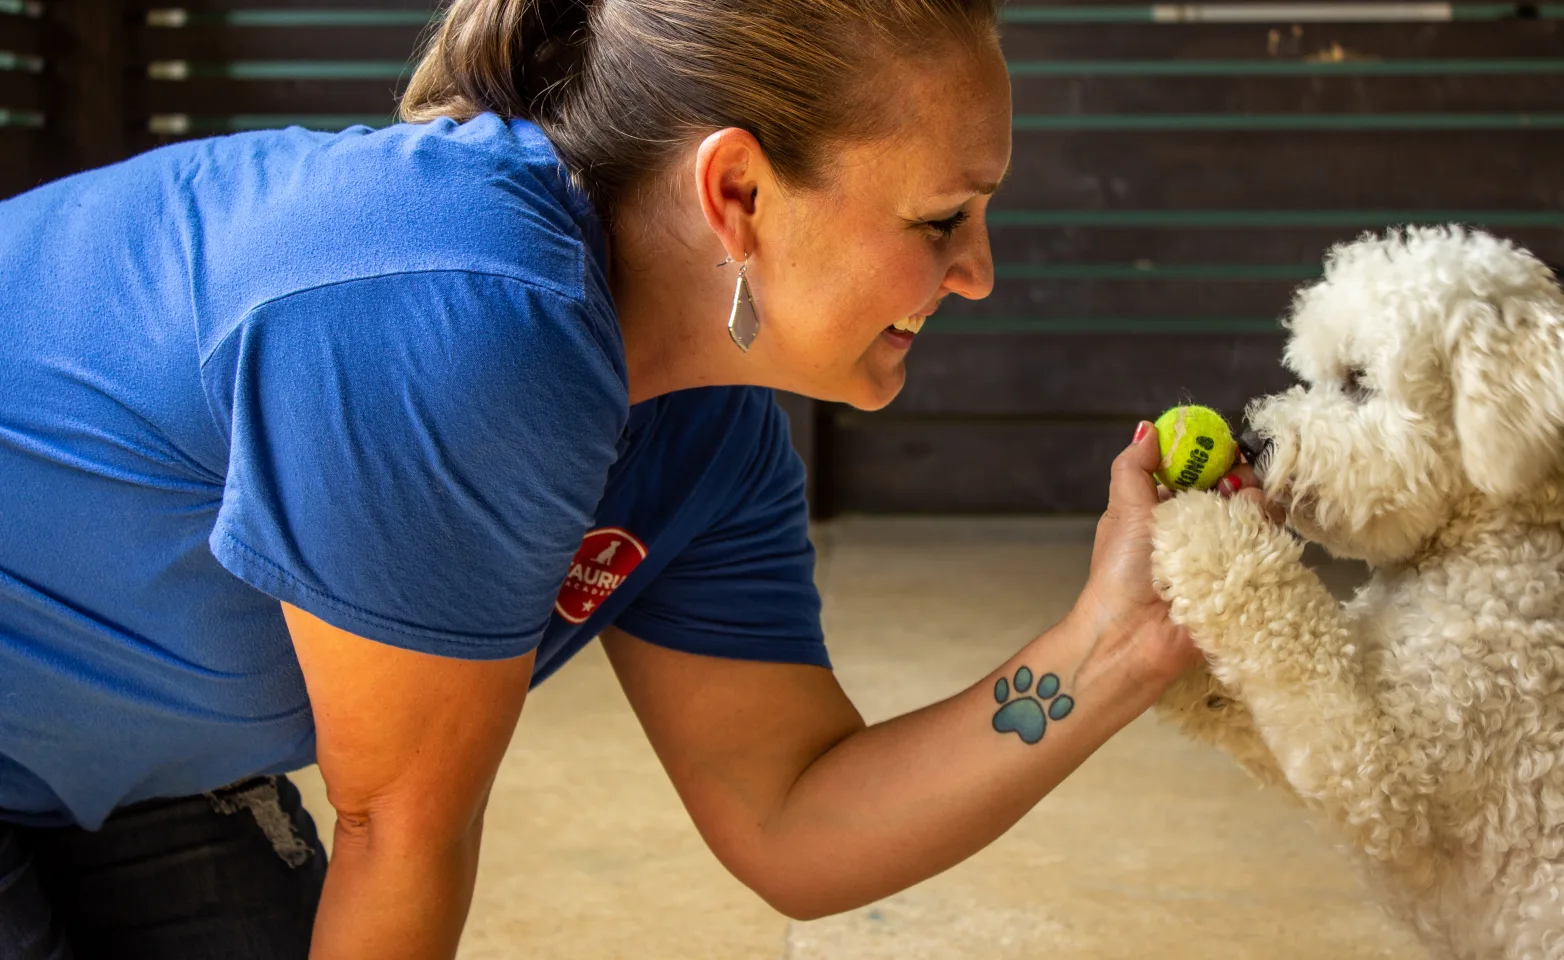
{"x": 1155, "y": 850}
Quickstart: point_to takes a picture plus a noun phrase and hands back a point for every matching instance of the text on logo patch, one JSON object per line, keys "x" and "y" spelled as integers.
{"x": 605, "y": 560}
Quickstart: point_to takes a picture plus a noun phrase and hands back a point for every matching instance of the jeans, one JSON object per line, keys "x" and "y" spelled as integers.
{"x": 234, "y": 874}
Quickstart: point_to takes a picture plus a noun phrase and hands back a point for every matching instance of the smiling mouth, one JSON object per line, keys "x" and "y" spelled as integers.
{"x": 909, "y": 324}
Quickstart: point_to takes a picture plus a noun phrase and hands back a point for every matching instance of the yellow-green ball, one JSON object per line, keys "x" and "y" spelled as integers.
{"x": 1197, "y": 448}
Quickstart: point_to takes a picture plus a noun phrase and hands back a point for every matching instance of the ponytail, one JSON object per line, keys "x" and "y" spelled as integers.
{"x": 508, "y": 57}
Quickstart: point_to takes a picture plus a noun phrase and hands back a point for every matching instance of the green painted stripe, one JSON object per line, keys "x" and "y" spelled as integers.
{"x": 316, "y": 18}
{"x": 1102, "y": 14}
{"x": 1273, "y": 219}
{"x": 27, "y": 119}
{"x": 388, "y": 69}
{"x": 1272, "y": 13}
{"x": 1103, "y": 325}
{"x": 22, "y": 62}
{"x": 1290, "y": 121}
{"x": 1283, "y": 68}
{"x": 176, "y": 17}
{"x": 281, "y": 70}
{"x": 1115, "y": 271}
{"x": 1502, "y": 11}
{"x": 177, "y": 124}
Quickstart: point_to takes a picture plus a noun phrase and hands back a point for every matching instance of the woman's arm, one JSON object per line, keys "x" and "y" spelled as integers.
{"x": 819, "y": 813}
{"x": 408, "y": 745}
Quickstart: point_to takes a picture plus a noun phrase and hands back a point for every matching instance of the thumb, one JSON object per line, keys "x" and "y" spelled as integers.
{"x": 1133, "y": 483}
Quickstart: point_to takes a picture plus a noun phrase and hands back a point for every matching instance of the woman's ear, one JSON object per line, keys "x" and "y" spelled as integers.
{"x": 730, "y": 170}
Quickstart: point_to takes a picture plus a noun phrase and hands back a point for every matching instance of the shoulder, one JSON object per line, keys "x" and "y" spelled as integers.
{"x": 485, "y": 196}
{"x": 477, "y": 353}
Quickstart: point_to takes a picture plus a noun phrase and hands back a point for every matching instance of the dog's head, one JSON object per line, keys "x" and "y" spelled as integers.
{"x": 1432, "y": 365}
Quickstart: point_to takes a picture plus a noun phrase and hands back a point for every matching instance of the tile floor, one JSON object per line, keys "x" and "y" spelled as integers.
{"x": 1155, "y": 850}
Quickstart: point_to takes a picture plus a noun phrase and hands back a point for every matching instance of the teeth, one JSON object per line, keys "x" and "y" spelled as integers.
{"x": 909, "y": 324}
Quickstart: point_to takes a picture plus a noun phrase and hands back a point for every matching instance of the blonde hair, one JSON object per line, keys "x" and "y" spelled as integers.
{"x": 621, "y": 86}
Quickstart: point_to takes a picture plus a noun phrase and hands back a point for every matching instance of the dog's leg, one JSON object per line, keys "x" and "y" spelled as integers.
{"x": 1207, "y": 711}
{"x": 1275, "y": 636}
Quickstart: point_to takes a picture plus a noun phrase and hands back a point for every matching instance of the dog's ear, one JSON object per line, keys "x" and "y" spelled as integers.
{"x": 1507, "y": 367}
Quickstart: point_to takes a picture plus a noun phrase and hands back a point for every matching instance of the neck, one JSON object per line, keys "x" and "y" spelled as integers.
{"x": 1482, "y": 524}
{"x": 673, "y": 304}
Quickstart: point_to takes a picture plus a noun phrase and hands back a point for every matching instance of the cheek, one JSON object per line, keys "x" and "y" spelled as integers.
{"x": 856, "y": 296}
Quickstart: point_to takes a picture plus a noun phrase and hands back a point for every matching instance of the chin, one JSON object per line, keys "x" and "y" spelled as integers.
{"x": 874, "y": 390}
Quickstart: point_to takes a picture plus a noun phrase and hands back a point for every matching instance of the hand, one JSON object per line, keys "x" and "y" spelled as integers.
{"x": 1120, "y": 607}
{"x": 1242, "y": 482}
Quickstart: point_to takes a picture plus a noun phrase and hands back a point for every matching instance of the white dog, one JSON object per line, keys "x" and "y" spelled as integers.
{"x": 1425, "y": 718}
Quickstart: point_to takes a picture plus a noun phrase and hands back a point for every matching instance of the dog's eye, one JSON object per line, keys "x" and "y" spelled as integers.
{"x": 1354, "y": 386}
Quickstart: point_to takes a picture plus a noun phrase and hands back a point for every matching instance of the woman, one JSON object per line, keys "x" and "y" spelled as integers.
{"x": 329, "y": 446}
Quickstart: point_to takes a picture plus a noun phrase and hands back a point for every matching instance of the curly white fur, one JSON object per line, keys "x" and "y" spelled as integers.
{"x": 1425, "y": 718}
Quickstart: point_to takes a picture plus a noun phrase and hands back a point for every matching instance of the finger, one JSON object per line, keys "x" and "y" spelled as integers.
{"x": 1240, "y": 478}
{"x": 1246, "y": 473}
{"x": 1132, "y": 483}
{"x": 1163, "y": 494}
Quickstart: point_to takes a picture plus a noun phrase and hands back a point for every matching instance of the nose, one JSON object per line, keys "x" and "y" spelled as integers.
{"x": 1252, "y": 445}
{"x": 971, "y": 274}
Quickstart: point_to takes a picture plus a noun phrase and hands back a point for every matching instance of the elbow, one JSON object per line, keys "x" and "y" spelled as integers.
{"x": 803, "y": 905}
{"x": 383, "y": 823}
{"x": 803, "y": 912}
{"x": 799, "y": 894}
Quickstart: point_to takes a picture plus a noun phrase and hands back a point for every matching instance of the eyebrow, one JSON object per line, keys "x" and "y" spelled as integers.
{"x": 988, "y": 189}
{"x": 981, "y": 187}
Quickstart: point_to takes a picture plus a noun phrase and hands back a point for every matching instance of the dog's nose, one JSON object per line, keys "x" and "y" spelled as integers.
{"x": 1252, "y": 446}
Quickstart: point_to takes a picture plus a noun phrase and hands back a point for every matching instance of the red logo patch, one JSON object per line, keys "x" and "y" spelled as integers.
{"x": 604, "y": 561}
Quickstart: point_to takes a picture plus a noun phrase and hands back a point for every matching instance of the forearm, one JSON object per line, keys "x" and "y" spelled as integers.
{"x": 397, "y": 897}
{"x": 903, "y": 800}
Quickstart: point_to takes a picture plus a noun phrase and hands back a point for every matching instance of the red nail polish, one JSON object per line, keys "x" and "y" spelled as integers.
{"x": 1141, "y": 431}
{"x": 1230, "y": 485}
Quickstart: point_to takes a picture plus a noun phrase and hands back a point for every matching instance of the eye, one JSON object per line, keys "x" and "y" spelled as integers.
{"x": 1354, "y": 384}
{"x": 945, "y": 228}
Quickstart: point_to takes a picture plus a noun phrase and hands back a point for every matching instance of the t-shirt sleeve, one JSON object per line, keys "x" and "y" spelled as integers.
{"x": 414, "y": 459}
{"x": 745, "y": 587}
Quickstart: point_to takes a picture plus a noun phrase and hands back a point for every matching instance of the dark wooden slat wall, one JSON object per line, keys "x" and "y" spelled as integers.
{"x": 1175, "y": 183}
{"x": 23, "y": 154}
{"x": 1261, "y": 42}
{"x": 1284, "y": 170}
{"x": 221, "y": 42}
{"x": 213, "y": 97}
{"x": 1193, "y": 246}
{"x": 1145, "y": 260}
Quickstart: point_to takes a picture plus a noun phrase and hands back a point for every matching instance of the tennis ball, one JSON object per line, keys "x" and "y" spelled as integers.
{"x": 1197, "y": 448}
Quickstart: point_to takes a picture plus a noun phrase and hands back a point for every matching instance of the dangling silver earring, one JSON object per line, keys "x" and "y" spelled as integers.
{"x": 744, "y": 321}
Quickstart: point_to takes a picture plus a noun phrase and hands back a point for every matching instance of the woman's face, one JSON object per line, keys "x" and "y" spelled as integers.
{"x": 845, "y": 276}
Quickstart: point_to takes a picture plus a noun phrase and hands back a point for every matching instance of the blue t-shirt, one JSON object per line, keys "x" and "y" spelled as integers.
{"x": 376, "y": 375}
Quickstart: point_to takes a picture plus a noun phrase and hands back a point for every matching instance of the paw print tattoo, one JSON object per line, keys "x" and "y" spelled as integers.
{"x": 1025, "y": 710}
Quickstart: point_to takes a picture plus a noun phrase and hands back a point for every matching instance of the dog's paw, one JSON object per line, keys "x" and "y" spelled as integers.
{"x": 1208, "y": 553}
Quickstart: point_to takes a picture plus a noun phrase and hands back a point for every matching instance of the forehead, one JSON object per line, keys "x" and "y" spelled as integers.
{"x": 948, "y": 111}
{"x": 1339, "y": 326}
